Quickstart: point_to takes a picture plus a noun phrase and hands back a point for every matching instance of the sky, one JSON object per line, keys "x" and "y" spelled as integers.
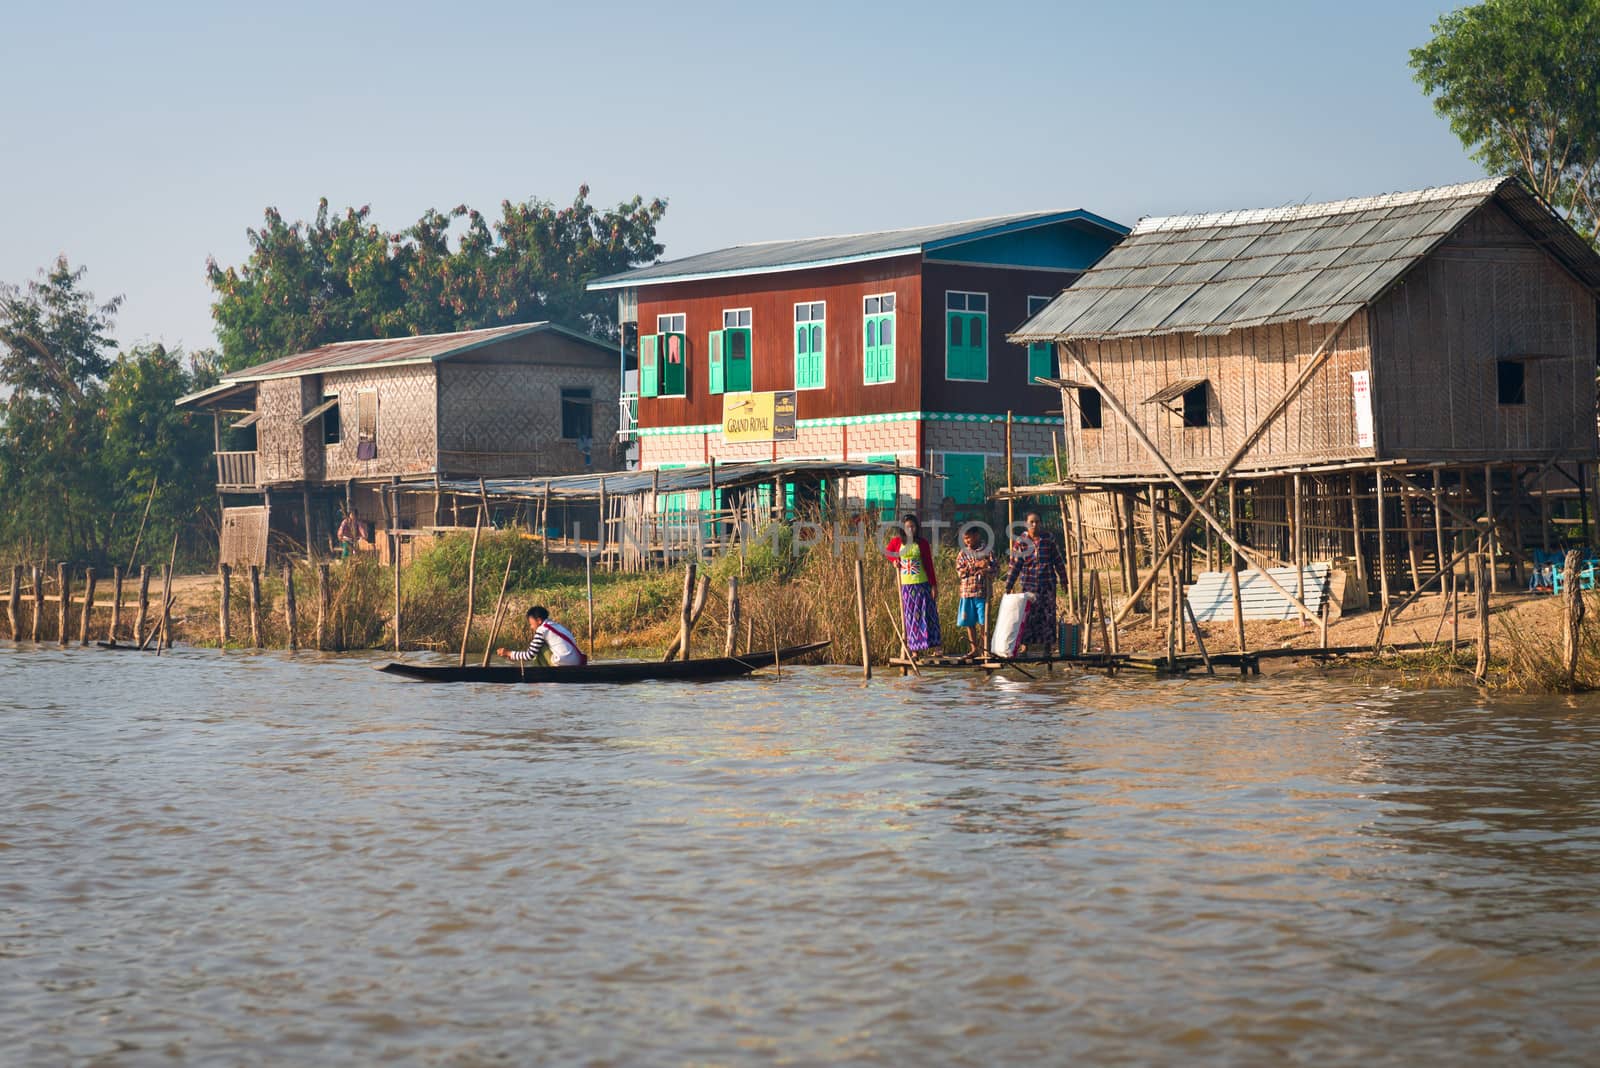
{"x": 142, "y": 139}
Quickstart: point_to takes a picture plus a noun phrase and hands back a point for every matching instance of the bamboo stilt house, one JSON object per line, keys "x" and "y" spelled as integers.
{"x": 1374, "y": 378}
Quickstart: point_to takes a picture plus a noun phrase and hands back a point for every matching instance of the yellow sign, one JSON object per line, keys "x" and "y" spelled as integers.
{"x": 758, "y": 416}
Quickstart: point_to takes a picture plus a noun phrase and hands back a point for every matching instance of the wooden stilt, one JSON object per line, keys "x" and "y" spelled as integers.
{"x": 1491, "y": 536}
{"x": 1297, "y": 540}
{"x": 1383, "y": 543}
{"x": 290, "y": 619}
{"x": 224, "y": 605}
{"x": 861, "y": 618}
{"x": 323, "y": 595}
{"x": 1355, "y": 532}
{"x": 116, "y": 602}
{"x": 1409, "y": 521}
{"x": 143, "y": 606}
{"x": 166, "y": 598}
{"x": 686, "y": 609}
{"x": 64, "y": 588}
{"x": 38, "y": 604}
{"x": 1572, "y": 595}
{"x": 1200, "y": 639}
{"x": 1481, "y": 588}
{"x": 472, "y": 584}
{"x": 1238, "y": 603}
{"x": 88, "y": 606}
{"x": 13, "y": 602}
{"x": 255, "y": 606}
{"x": 1438, "y": 519}
{"x": 397, "y": 606}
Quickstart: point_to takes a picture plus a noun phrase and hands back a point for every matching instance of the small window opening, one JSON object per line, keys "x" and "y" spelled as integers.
{"x": 1196, "y": 406}
{"x": 1089, "y": 417}
{"x": 330, "y": 423}
{"x": 577, "y": 414}
{"x": 1513, "y": 382}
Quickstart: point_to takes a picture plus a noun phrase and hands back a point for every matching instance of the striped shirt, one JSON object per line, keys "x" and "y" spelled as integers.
{"x": 564, "y": 651}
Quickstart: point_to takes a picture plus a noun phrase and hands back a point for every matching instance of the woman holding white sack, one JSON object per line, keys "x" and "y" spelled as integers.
{"x": 1038, "y": 563}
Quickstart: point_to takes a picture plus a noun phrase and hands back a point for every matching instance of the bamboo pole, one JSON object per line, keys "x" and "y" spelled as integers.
{"x": 255, "y": 606}
{"x": 165, "y": 637}
{"x": 861, "y": 618}
{"x": 1383, "y": 544}
{"x": 64, "y": 588}
{"x": 88, "y": 605}
{"x": 1481, "y": 592}
{"x": 1490, "y": 536}
{"x": 1200, "y": 639}
{"x": 323, "y": 596}
{"x": 499, "y": 612}
{"x": 1411, "y": 539}
{"x": 224, "y": 606}
{"x": 143, "y": 604}
{"x": 396, "y": 570}
{"x": 1097, "y": 605}
{"x": 117, "y": 577}
{"x": 1011, "y": 503}
{"x": 13, "y": 601}
{"x": 290, "y": 616}
{"x": 38, "y": 604}
{"x": 730, "y": 643}
{"x": 1238, "y": 604}
{"x": 1297, "y": 539}
{"x": 1573, "y": 597}
{"x": 134, "y": 555}
{"x": 472, "y": 584}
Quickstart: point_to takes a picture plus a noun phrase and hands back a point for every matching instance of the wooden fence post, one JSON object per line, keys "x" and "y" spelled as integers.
{"x": 13, "y": 601}
{"x": 1480, "y": 587}
{"x": 64, "y": 588}
{"x": 288, "y": 606}
{"x": 224, "y": 606}
{"x": 255, "y": 606}
{"x": 38, "y": 602}
{"x": 143, "y": 606}
{"x": 166, "y": 603}
{"x": 322, "y": 606}
{"x": 1574, "y": 616}
{"x": 1238, "y": 602}
{"x": 116, "y": 602}
{"x": 88, "y": 606}
{"x": 685, "y": 617}
{"x": 396, "y": 570}
{"x": 861, "y": 619}
{"x": 731, "y": 642}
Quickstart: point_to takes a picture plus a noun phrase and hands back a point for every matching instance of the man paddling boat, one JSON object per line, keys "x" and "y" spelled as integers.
{"x": 550, "y": 639}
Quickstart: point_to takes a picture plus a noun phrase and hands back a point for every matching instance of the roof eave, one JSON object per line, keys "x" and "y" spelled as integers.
{"x": 623, "y": 281}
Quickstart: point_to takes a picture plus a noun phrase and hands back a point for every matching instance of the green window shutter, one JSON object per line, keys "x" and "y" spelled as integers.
{"x": 714, "y": 357}
{"x": 966, "y": 351}
{"x": 1040, "y": 362}
{"x": 881, "y": 490}
{"x": 736, "y": 359}
{"x": 649, "y": 368}
{"x": 819, "y": 358}
{"x": 878, "y": 357}
{"x": 808, "y": 372}
{"x": 674, "y": 359}
{"x": 964, "y": 482}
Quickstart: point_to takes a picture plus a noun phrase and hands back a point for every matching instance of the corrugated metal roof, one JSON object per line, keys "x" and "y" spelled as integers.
{"x": 427, "y": 348}
{"x": 767, "y": 256}
{"x": 1211, "y": 274}
{"x": 662, "y": 480}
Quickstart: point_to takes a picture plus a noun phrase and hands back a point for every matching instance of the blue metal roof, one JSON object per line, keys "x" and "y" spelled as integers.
{"x": 771, "y": 256}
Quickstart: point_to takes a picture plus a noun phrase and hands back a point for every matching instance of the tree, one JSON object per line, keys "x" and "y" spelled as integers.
{"x": 83, "y": 434}
{"x": 338, "y": 278}
{"x": 1519, "y": 82}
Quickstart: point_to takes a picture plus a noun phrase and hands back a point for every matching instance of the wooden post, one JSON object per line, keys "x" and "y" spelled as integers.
{"x": 143, "y": 605}
{"x": 1438, "y": 519}
{"x": 1101, "y": 616}
{"x": 605, "y": 534}
{"x": 1481, "y": 589}
{"x": 88, "y": 606}
{"x": 64, "y": 588}
{"x": 255, "y": 606}
{"x": 1172, "y": 618}
{"x": 1383, "y": 547}
{"x": 472, "y": 585}
{"x": 396, "y": 602}
{"x": 224, "y": 606}
{"x": 166, "y": 598}
{"x": 1200, "y": 639}
{"x": 305, "y": 511}
{"x": 13, "y": 601}
{"x": 861, "y": 618}
{"x": 1155, "y": 563}
{"x": 1514, "y": 559}
{"x": 685, "y": 618}
{"x": 588, "y": 595}
{"x": 730, "y": 643}
{"x": 1238, "y": 604}
{"x": 1297, "y": 541}
{"x": 1573, "y": 596}
{"x": 1409, "y": 520}
{"x": 1490, "y": 535}
{"x": 323, "y": 595}
{"x": 116, "y": 601}
{"x": 1130, "y": 540}
{"x": 38, "y": 603}
{"x": 483, "y": 502}
{"x": 289, "y": 616}
{"x": 1355, "y": 534}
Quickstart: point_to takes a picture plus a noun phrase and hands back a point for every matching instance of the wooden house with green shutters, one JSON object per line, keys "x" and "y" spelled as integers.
{"x": 894, "y": 343}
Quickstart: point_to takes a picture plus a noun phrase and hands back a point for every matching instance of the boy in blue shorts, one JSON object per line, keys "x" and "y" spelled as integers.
{"x": 976, "y": 568}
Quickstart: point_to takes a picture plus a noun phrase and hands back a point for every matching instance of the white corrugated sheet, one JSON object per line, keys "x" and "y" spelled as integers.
{"x": 1211, "y": 596}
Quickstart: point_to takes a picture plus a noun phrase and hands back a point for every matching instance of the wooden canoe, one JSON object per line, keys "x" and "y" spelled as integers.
{"x": 719, "y": 667}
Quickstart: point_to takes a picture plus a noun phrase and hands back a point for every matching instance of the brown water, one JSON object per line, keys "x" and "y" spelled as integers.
{"x": 256, "y": 860}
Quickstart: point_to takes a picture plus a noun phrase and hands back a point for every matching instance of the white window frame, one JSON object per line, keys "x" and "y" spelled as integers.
{"x": 944, "y": 325}
{"x": 664, "y": 326}
{"x": 895, "y": 311}
{"x": 664, "y": 323}
{"x": 808, "y": 305}
{"x": 751, "y": 355}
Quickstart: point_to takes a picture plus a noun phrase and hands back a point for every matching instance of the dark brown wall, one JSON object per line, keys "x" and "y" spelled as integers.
{"x": 771, "y": 299}
{"x": 1007, "y": 388}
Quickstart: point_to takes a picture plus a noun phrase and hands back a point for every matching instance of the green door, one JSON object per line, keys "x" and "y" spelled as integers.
{"x": 881, "y": 495}
{"x": 963, "y": 483}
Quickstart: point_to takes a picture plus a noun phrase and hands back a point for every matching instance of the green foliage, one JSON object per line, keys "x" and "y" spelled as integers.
{"x": 83, "y": 436}
{"x": 1519, "y": 82}
{"x": 340, "y": 277}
